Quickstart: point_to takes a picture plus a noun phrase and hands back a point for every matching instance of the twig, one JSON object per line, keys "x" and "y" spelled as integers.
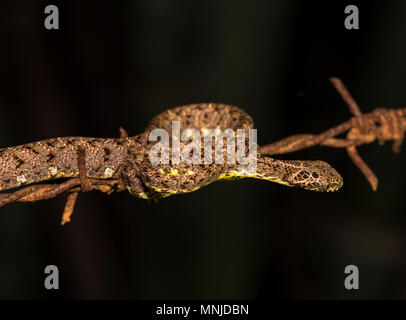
{"x": 70, "y": 204}
{"x": 381, "y": 124}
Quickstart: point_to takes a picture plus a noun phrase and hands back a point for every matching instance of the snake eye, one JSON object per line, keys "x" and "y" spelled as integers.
{"x": 315, "y": 175}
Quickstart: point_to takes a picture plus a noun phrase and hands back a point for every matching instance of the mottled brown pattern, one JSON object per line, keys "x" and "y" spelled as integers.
{"x": 57, "y": 158}
{"x": 127, "y": 159}
{"x": 212, "y": 116}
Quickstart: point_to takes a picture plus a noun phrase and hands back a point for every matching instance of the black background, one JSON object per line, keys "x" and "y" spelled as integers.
{"x": 117, "y": 64}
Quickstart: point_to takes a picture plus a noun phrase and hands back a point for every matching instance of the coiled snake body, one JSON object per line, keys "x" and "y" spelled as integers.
{"x": 173, "y": 178}
{"x": 128, "y": 158}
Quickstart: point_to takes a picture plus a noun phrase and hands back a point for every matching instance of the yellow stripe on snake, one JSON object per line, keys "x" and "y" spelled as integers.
{"x": 174, "y": 178}
{"x": 128, "y": 159}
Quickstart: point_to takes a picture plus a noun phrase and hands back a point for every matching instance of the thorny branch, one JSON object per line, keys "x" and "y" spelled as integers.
{"x": 381, "y": 124}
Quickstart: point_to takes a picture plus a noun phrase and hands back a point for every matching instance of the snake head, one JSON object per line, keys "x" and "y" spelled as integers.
{"x": 317, "y": 176}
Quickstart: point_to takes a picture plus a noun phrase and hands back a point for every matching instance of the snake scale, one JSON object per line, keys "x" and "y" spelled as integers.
{"x": 128, "y": 158}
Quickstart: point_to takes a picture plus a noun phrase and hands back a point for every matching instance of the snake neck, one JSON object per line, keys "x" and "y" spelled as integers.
{"x": 267, "y": 168}
{"x": 310, "y": 175}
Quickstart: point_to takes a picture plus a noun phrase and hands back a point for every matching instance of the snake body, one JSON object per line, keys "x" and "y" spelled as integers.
{"x": 129, "y": 158}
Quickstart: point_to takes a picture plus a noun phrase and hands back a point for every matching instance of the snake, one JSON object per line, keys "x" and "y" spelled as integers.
{"x": 129, "y": 158}
{"x": 171, "y": 178}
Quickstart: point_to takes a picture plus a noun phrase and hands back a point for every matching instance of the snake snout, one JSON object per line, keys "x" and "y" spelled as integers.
{"x": 331, "y": 180}
{"x": 336, "y": 185}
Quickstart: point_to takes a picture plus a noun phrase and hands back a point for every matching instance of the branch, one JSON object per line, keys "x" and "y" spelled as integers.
{"x": 381, "y": 124}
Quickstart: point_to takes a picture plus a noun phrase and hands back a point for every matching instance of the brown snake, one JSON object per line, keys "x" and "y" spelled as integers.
{"x": 128, "y": 159}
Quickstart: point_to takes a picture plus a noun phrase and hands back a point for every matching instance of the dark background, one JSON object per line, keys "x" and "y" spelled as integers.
{"x": 117, "y": 64}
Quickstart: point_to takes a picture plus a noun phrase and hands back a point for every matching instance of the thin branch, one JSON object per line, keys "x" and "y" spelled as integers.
{"x": 381, "y": 124}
